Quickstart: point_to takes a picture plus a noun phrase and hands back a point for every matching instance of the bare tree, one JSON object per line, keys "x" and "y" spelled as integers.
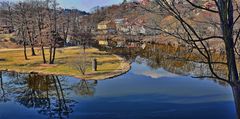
{"x": 55, "y": 36}
{"x": 66, "y": 19}
{"x": 7, "y": 13}
{"x": 31, "y": 24}
{"x": 82, "y": 35}
{"x": 192, "y": 35}
{"x": 21, "y": 11}
{"x": 40, "y": 19}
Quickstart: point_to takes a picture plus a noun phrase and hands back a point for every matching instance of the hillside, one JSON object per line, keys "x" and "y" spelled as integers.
{"x": 156, "y": 22}
{"x": 8, "y": 41}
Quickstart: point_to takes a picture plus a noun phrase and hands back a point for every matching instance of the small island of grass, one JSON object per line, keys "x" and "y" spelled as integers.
{"x": 108, "y": 65}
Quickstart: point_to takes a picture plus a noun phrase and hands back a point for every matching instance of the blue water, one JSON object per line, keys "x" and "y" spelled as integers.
{"x": 142, "y": 93}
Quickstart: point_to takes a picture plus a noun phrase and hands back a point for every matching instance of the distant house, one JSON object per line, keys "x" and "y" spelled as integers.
{"x": 135, "y": 26}
{"x": 105, "y": 27}
{"x": 103, "y": 42}
{"x": 119, "y": 21}
{"x": 119, "y": 24}
{"x": 136, "y": 30}
{"x": 133, "y": 44}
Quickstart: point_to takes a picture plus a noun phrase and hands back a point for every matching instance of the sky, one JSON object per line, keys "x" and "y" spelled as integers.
{"x": 85, "y": 5}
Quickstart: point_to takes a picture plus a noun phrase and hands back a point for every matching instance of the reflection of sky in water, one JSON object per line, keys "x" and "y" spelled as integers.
{"x": 141, "y": 69}
{"x": 169, "y": 96}
{"x": 179, "y": 89}
{"x": 144, "y": 93}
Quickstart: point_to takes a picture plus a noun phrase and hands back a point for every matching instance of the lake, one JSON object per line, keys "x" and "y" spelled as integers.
{"x": 152, "y": 89}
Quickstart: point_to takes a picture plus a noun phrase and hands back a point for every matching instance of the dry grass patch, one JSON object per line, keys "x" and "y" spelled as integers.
{"x": 109, "y": 65}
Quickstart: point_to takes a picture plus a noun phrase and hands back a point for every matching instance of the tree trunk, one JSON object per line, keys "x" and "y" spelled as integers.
{"x": 53, "y": 55}
{"x": 42, "y": 47}
{"x": 43, "y": 55}
{"x": 33, "y": 51}
{"x": 231, "y": 61}
{"x": 50, "y": 57}
{"x": 31, "y": 40}
{"x": 53, "y": 51}
{"x": 227, "y": 23}
{"x": 25, "y": 50}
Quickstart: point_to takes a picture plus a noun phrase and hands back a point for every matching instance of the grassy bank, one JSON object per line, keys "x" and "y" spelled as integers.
{"x": 109, "y": 65}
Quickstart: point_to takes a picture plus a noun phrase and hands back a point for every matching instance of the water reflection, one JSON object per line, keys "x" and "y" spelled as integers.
{"x": 156, "y": 87}
{"x": 236, "y": 94}
{"x": 168, "y": 58}
{"x": 3, "y": 94}
{"x": 46, "y": 94}
{"x": 160, "y": 56}
{"x": 85, "y": 88}
{"x": 165, "y": 59}
{"x": 131, "y": 95}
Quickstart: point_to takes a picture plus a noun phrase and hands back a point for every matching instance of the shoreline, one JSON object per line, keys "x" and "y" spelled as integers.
{"x": 124, "y": 67}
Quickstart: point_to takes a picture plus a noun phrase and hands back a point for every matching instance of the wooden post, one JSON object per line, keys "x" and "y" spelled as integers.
{"x": 94, "y": 64}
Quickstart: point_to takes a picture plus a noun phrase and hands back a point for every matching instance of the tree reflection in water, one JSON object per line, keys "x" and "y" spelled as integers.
{"x": 85, "y": 88}
{"x": 3, "y": 93}
{"x": 46, "y": 94}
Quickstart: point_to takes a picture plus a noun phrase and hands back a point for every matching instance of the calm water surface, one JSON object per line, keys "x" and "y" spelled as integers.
{"x": 142, "y": 93}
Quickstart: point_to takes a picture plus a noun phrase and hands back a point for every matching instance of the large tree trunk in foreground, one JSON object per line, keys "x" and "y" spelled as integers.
{"x": 231, "y": 62}
{"x": 227, "y": 23}
{"x": 236, "y": 95}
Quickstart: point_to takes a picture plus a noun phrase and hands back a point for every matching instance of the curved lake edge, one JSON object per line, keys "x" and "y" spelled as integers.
{"x": 124, "y": 67}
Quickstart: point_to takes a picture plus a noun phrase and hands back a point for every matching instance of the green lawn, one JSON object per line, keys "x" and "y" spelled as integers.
{"x": 109, "y": 65}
